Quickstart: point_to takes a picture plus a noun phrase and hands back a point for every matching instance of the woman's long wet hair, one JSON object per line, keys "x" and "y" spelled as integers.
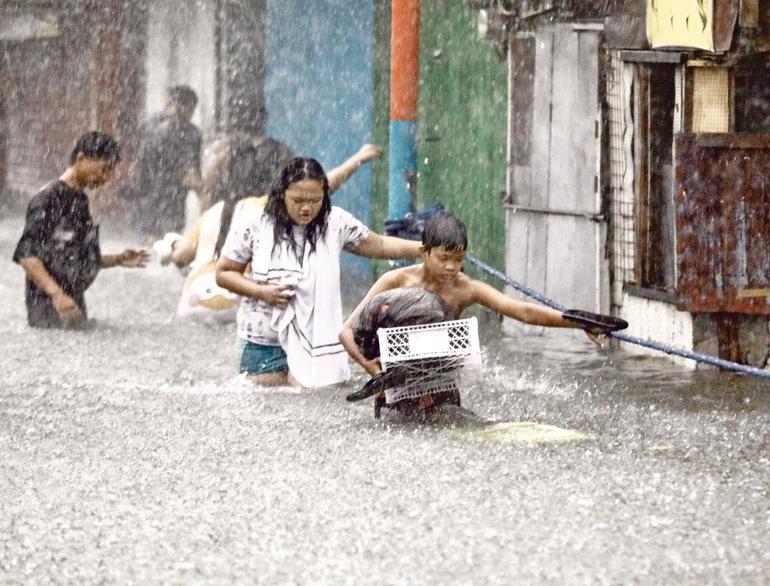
{"x": 298, "y": 169}
{"x": 242, "y": 180}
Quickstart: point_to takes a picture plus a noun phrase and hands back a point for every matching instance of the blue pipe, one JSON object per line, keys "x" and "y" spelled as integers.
{"x": 704, "y": 358}
{"x": 402, "y": 167}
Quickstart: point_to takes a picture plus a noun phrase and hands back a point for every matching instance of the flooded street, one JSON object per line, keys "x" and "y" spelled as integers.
{"x": 133, "y": 453}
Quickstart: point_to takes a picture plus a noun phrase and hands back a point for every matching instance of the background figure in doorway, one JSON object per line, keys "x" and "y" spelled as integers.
{"x": 167, "y": 165}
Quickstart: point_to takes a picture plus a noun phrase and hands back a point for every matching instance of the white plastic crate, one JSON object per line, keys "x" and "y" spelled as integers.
{"x": 433, "y": 358}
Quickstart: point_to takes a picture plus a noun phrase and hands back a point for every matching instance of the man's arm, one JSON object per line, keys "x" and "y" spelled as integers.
{"x": 129, "y": 258}
{"x": 192, "y": 180}
{"x": 389, "y": 280}
{"x": 64, "y": 305}
{"x": 40, "y": 221}
{"x": 218, "y": 164}
{"x": 377, "y": 246}
{"x": 342, "y": 173}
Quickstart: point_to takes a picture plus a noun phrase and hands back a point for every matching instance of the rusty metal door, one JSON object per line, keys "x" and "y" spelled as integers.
{"x": 555, "y": 231}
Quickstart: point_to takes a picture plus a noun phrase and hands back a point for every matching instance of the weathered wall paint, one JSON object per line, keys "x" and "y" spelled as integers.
{"x": 319, "y": 90}
{"x": 404, "y": 85}
{"x": 461, "y": 125}
{"x": 659, "y": 321}
{"x": 722, "y": 222}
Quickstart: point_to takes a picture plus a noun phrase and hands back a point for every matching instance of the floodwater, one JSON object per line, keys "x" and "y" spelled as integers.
{"x": 133, "y": 453}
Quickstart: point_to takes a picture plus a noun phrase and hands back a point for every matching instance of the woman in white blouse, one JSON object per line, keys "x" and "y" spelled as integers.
{"x": 285, "y": 263}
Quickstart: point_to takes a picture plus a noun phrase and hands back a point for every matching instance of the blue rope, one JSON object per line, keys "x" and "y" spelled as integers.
{"x": 706, "y": 359}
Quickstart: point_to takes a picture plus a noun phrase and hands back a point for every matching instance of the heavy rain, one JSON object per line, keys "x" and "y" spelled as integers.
{"x": 605, "y": 154}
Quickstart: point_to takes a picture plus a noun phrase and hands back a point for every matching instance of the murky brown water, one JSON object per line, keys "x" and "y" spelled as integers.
{"x": 133, "y": 453}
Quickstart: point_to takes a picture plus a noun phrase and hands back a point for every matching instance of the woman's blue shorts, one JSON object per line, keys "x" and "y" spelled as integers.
{"x": 261, "y": 359}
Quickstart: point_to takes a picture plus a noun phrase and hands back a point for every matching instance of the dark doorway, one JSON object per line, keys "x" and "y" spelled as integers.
{"x": 752, "y": 99}
{"x": 655, "y": 121}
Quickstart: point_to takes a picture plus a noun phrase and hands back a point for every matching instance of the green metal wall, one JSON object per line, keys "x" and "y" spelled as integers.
{"x": 461, "y": 126}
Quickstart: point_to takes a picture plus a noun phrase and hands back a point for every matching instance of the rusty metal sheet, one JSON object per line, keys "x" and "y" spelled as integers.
{"x": 723, "y": 225}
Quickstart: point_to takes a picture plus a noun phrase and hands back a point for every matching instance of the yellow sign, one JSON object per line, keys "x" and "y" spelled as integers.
{"x": 681, "y": 23}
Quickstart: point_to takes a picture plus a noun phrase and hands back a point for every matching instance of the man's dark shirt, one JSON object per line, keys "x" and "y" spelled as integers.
{"x": 267, "y": 159}
{"x": 168, "y": 147}
{"x": 60, "y": 232}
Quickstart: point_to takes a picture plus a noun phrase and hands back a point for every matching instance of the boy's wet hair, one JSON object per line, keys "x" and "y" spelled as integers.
{"x": 96, "y": 145}
{"x": 446, "y": 230}
{"x": 183, "y": 94}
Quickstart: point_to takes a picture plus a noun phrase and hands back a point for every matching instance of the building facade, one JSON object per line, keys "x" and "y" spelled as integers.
{"x": 638, "y": 163}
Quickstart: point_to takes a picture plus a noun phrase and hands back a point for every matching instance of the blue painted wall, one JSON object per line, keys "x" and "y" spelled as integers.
{"x": 319, "y": 83}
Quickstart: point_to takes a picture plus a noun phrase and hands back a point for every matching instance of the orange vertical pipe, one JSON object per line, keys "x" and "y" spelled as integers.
{"x": 404, "y": 59}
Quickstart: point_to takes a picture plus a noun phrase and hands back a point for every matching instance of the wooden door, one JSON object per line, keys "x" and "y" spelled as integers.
{"x": 555, "y": 231}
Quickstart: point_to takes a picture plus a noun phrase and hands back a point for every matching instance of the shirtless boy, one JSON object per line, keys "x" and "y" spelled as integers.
{"x": 444, "y": 242}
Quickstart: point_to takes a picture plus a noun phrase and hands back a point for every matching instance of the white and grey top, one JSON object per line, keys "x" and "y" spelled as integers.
{"x": 255, "y": 317}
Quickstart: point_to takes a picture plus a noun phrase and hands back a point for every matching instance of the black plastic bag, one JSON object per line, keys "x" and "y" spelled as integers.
{"x": 396, "y": 308}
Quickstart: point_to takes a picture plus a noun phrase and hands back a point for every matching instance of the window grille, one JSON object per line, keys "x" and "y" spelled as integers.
{"x": 621, "y": 131}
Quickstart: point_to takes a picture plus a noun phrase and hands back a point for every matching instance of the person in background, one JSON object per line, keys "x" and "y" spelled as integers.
{"x": 245, "y": 177}
{"x": 166, "y": 166}
{"x": 59, "y": 248}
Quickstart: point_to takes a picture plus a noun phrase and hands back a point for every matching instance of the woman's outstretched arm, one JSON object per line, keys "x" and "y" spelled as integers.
{"x": 378, "y": 246}
{"x": 342, "y": 173}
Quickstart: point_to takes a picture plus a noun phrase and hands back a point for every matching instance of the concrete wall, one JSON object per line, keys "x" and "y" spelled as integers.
{"x": 461, "y": 125}
{"x": 659, "y": 321}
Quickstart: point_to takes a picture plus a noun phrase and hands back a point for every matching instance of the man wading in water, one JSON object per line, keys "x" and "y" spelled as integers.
{"x": 59, "y": 249}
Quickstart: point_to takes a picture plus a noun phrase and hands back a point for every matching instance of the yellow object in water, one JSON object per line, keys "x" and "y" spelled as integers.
{"x": 523, "y": 432}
